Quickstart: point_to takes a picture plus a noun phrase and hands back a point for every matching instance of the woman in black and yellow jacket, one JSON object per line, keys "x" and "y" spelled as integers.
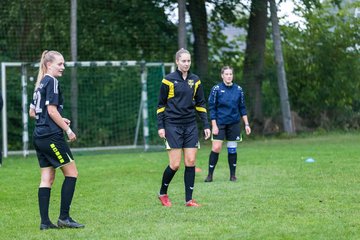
{"x": 181, "y": 97}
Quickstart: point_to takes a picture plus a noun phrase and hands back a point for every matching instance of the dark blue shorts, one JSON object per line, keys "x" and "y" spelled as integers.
{"x": 182, "y": 136}
{"x": 52, "y": 151}
{"x": 230, "y": 132}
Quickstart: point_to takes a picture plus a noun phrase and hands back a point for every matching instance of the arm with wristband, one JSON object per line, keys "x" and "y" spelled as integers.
{"x": 61, "y": 122}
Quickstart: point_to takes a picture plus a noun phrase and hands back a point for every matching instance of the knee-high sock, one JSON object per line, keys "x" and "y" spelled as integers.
{"x": 166, "y": 179}
{"x": 189, "y": 180}
{"x": 213, "y": 159}
{"x": 44, "y": 201}
{"x": 67, "y": 193}
{"x": 232, "y": 158}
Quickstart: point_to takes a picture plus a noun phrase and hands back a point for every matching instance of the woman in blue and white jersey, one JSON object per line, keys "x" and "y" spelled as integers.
{"x": 227, "y": 108}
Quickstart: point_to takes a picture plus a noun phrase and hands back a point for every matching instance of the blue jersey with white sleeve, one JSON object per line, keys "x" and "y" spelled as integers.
{"x": 47, "y": 93}
{"x": 227, "y": 104}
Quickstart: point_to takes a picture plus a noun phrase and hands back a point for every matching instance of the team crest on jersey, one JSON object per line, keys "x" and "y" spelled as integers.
{"x": 191, "y": 83}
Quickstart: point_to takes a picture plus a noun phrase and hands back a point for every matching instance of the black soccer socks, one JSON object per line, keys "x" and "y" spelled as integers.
{"x": 166, "y": 179}
{"x": 67, "y": 193}
{"x": 232, "y": 158}
{"x": 189, "y": 180}
{"x": 213, "y": 159}
{"x": 44, "y": 200}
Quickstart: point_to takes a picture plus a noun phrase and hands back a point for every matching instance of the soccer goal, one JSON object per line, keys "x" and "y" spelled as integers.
{"x": 114, "y": 104}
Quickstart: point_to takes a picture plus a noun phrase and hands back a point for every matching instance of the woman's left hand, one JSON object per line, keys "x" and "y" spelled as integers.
{"x": 207, "y": 133}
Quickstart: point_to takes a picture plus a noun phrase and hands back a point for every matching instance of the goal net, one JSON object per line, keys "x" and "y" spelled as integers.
{"x": 115, "y": 104}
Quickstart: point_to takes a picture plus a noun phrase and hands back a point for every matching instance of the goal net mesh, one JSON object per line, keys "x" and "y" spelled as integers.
{"x": 108, "y": 106}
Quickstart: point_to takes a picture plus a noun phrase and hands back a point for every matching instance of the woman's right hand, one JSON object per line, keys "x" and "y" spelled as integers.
{"x": 71, "y": 137}
{"x": 161, "y": 133}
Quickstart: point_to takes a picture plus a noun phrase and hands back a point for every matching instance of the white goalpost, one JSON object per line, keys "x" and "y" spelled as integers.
{"x": 115, "y": 88}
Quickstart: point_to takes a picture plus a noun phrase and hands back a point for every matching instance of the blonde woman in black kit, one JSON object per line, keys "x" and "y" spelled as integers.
{"x": 51, "y": 148}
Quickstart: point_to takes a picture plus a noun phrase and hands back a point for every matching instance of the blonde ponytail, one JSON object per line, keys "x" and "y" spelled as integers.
{"x": 46, "y": 56}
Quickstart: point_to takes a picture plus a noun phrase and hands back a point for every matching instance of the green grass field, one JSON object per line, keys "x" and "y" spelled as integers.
{"x": 277, "y": 196}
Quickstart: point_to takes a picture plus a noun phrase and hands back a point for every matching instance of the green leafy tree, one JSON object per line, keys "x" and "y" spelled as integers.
{"x": 29, "y": 27}
{"x": 125, "y": 29}
{"x": 107, "y": 30}
{"x": 323, "y": 67}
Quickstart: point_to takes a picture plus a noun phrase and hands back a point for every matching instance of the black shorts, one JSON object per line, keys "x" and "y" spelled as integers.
{"x": 182, "y": 136}
{"x": 52, "y": 151}
{"x": 230, "y": 132}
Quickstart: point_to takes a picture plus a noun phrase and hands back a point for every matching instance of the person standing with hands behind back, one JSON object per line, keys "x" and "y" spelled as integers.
{"x": 181, "y": 96}
{"x": 51, "y": 148}
{"x": 226, "y": 107}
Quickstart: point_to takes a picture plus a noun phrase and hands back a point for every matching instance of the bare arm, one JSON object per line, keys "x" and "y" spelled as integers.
{"x": 61, "y": 122}
{"x": 247, "y": 126}
{"x": 215, "y": 129}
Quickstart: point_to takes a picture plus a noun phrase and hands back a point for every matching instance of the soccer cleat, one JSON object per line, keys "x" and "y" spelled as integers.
{"x": 209, "y": 178}
{"x": 192, "y": 203}
{"x": 48, "y": 226}
{"x": 233, "y": 178}
{"x": 69, "y": 223}
{"x": 165, "y": 201}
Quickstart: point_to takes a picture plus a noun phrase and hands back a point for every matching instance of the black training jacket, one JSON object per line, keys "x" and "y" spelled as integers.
{"x": 180, "y": 99}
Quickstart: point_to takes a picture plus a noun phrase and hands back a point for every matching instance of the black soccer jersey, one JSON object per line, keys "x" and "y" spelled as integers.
{"x": 180, "y": 99}
{"x": 48, "y": 93}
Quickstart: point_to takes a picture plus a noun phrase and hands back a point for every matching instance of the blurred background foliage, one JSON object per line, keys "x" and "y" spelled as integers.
{"x": 321, "y": 53}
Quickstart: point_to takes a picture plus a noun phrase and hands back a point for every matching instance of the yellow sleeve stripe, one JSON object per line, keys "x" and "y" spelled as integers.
{"x": 196, "y": 87}
{"x": 200, "y": 109}
{"x": 171, "y": 93}
{"x": 160, "y": 110}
